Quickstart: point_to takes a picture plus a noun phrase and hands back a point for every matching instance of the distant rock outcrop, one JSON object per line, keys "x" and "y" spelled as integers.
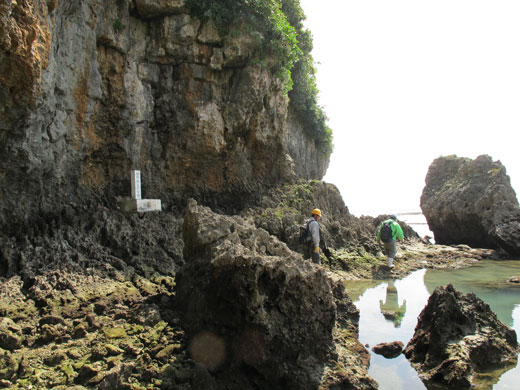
{"x": 457, "y": 335}
{"x": 257, "y": 314}
{"x": 472, "y": 202}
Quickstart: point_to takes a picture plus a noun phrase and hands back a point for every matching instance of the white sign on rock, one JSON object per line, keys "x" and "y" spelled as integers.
{"x": 136, "y": 184}
{"x": 135, "y": 203}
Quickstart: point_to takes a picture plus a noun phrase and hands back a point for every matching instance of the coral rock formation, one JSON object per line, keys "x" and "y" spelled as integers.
{"x": 456, "y": 336}
{"x": 258, "y": 313}
{"x": 472, "y": 202}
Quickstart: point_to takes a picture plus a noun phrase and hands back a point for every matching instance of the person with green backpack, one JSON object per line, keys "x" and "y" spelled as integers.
{"x": 389, "y": 232}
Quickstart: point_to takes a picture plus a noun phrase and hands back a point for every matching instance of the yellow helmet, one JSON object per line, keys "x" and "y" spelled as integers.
{"x": 316, "y": 212}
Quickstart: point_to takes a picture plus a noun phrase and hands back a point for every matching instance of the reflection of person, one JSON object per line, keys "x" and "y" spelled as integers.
{"x": 312, "y": 249}
{"x": 389, "y": 245}
{"x": 391, "y": 309}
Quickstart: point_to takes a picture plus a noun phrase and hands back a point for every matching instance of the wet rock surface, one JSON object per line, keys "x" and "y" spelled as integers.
{"x": 472, "y": 202}
{"x": 457, "y": 336}
{"x": 87, "y": 296}
{"x": 257, "y": 312}
{"x": 90, "y": 285}
{"x": 389, "y": 350}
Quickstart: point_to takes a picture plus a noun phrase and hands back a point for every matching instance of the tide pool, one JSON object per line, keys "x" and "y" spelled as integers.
{"x": 389, "y": 311}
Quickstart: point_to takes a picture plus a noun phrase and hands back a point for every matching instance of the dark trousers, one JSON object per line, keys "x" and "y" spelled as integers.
{"x": 309, "y": 253}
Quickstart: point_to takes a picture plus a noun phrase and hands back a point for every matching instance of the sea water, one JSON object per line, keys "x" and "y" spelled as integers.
{"x": 417, "y": 221}
{"x": 407, "y": 297}
{"x": 414, "y": 218}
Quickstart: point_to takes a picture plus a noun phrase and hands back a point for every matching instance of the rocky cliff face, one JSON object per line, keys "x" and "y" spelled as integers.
{"x": 472, "y": 202}
{"x": 92, "y": 89}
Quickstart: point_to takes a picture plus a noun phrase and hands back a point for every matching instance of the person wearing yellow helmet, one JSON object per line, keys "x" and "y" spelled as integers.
{"x": 312, "y": 250}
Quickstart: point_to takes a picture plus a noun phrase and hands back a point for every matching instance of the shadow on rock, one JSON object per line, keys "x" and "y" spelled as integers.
{"x": 258, "y": 316}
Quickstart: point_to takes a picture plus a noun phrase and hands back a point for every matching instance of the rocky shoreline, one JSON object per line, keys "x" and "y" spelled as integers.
{"x": 413, "y": 254}
{"x": 72, "y": 322}
{"x": 89, "y": 294}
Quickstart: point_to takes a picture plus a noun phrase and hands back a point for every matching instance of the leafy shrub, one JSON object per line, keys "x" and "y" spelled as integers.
{"x": 281, "y": 23}
{"x": 117, "y": 25}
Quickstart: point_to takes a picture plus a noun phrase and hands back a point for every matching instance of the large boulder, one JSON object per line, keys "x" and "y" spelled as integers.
{"x": 456, "y": 336}
{"x": 258, "y": 316}
{"x": 472, "y": 202}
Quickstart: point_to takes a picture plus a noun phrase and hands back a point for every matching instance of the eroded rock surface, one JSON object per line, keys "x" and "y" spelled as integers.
{"x": 283, "y": 209}
{"x": 389, "y": 350}
{"x": 472, "y": 202}
{"x": 91, "y": 89}
{"x": 258, "y": 313}
{"x": 456, "y": 336}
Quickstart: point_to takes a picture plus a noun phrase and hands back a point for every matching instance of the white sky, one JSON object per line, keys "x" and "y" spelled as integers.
{"x": 406, "y": 81}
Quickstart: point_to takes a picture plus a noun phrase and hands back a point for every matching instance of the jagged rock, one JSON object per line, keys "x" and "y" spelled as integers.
{"x": 87, "y": 373}
{"x": 51, "y": 320}
{"x": 50, "y": 333}
{"x": 389, "y": 350}
{"x": 79, "y": 332}
{"x": 116, "y": 377}
{"x": 457, "y": 335}
{"x": 8, "y": 366}
{"x": 154, "y": 8}
{"x": 282, "y": 210}
{"x": 209, "y": 33}
{"x": 54, "y": 359}
{"x": 472, "y": 202}
{"x": 255, "y": 310}
{"x": 10, "y": 334}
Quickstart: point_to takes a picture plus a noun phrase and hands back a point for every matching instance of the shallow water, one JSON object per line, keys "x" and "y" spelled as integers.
{"x": 417, "y": 221}
{"x": 403, "y": 300}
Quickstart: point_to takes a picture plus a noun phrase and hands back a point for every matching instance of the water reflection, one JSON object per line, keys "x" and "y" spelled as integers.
{"x": 390, "y": 309}
{"x": 487, "y": 279}
{"x": 406, "y": 298}
{"x": 509, "y": 380}
{"x": 391, "y": 374}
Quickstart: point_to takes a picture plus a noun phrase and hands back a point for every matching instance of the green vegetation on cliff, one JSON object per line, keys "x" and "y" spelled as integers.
{"x": 281, "y": 24}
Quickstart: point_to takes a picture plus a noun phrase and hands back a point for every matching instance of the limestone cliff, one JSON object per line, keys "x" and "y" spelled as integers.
{"x": 91, "y": 89}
